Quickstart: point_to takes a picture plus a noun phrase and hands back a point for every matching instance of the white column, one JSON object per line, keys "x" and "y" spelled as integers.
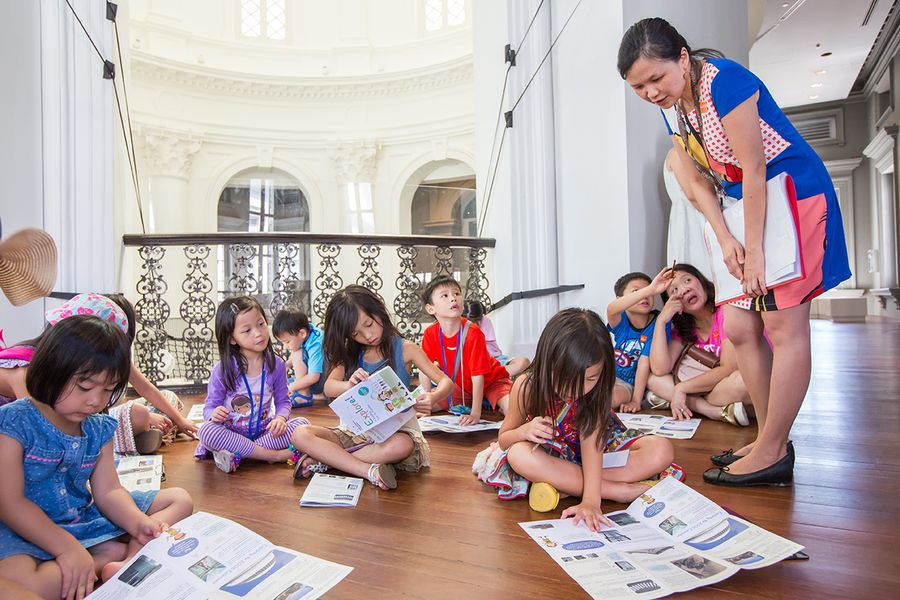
{"x": 166, "y": 159}
{"x": 531, "y": 146}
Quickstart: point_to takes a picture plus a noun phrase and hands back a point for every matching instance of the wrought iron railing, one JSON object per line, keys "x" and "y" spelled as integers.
{"x": 302, "y": 270}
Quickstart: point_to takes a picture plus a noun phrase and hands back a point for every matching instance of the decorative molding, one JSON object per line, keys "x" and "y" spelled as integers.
{"x": 355, "y": 162}
{"x": 880, "y": 149}
{"x": 218, "y": 83}
{"x": 168, "y": 152}
{"x": 843, "y": 167}
{"x": 264, "y": 156}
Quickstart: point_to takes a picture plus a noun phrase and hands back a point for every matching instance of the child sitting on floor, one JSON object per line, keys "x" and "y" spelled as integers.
{"x": 292, "y": 328}
{"x": 139, "y": 430}
{"x": 63, "y": 513}
{"x": 247, "y": 367}
{"x": 631, "y": 319}
{"x": 359, "y": 340}
{"x": 563, "y": 405}
{"x": 474, "y": 311}
{"x": 459, "y": 347}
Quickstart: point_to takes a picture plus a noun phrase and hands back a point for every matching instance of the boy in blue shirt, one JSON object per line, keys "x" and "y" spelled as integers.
{"x": 631, "y": 319}
{"x": 293, "y": 329}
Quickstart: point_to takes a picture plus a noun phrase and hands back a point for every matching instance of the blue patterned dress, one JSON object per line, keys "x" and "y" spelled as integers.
{"x": 57, "y": 468}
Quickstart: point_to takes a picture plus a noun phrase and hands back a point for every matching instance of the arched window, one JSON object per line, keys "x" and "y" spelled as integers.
{"x": 264, "y": 19}
{"x": 262, "y": 200}
{"x": 444, "y": 204}
{"x": 443, "y": 13}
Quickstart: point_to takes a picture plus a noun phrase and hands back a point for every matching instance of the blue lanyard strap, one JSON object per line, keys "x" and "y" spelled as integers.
{"x": 262, "y": 391}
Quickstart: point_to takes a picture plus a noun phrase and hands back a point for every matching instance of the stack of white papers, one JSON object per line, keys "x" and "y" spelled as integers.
{"x": 140, "y": 473}
{"x": 450, "y": 424}
{"x": 661, "y": 425}
{"x": 332, "y": 490}
{"x": 781, "y": 243}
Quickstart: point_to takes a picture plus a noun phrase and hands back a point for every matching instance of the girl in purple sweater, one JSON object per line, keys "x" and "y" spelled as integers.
{"x": 247, "y": 406}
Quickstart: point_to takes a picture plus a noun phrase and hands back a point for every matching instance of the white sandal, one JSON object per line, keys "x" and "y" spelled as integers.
{"x": 382, "y": 474}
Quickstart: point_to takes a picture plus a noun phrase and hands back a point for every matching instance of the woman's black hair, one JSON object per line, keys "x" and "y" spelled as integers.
{"x": 229, "y": 353}
{"x": 473, "y": 310}
{"x": 341, "y": 317}
{"x": 655, "y": 38}
{"x": 128, "y": 308}
{"x": 78, "y": 347}
{"x": 574, "y": 340}
{"x": 685, "y": 324}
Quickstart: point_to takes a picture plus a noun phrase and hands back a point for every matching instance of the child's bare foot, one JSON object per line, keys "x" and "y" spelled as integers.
{"x": 110, "y": 569}
{"x": 107, "y": 552}
{"x": 619, "y": 491}
{"x": 307, "y": 466}
{"x": 280, "y": 456}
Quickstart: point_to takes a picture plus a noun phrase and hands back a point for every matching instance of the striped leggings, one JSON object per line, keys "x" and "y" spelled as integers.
{"x": 215, "y": 437}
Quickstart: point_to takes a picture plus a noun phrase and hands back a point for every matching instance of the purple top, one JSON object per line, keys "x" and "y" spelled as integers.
{"x": 272, "y": 402}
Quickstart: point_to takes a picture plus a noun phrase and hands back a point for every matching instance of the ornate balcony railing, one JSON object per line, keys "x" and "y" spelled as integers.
{"x": 175, "y": 340}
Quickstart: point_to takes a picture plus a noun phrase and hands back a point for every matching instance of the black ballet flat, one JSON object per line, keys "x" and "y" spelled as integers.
{"x": 726, "y": 458}
{"x": 780, "y": 474}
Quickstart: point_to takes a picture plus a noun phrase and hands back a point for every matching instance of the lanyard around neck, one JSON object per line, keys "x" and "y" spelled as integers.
{"x": 262, "y": 390}
{"x": 455, "y": 363}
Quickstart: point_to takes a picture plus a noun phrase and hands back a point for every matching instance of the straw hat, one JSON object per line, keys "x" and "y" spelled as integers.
{"x": 27, "y": 265}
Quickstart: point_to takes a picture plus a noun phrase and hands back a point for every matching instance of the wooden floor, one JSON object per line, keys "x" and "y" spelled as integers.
{"x": 442, "y": 534}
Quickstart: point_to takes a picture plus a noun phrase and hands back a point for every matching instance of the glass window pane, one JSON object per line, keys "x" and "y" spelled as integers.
{"x": 250, "y": 18}
{"x": 456, "y": 12}
{"x": 365, "y": 196}
{"x": 350, "y": 190}
{"x": 276, "y": 20}
{"x": 368, "y": 222}
{"x": 434, "y": 14}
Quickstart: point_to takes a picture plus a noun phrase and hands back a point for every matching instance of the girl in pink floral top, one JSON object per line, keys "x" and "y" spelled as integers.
{"x": 560, "y": 422}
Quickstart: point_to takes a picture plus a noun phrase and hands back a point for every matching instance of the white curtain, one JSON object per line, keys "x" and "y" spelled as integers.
{"x": 78, "y": 113}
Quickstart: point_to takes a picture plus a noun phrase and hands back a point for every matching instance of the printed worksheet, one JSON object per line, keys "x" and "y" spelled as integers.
{"x": 671, "y": 539}
{"x": 141, "y": 473}
{"x": 450, "y": 424}
{"x": 661, "y": 425}
{"x": 207, "y": 557}
{"x": 324, "y": 489}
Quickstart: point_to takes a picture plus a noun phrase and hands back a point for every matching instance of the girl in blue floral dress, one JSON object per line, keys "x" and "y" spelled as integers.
{"x": 58, "y": 535}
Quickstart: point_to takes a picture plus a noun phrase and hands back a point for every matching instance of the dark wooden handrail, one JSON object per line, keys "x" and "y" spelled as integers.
{"x": 304, "y": 237}
{"x": 535, "y": 294}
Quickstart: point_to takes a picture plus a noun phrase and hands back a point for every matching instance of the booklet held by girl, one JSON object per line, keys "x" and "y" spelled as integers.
{"x": 377, "y": 407}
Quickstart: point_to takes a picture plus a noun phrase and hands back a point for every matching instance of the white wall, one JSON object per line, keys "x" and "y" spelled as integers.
{"x": 608, "y": 147}
{"x": 21, "y": 203}
{"x": 704, "y": 24}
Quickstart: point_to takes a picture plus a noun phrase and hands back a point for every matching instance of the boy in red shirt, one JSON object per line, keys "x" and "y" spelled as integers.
{"x": 476, "y": 374}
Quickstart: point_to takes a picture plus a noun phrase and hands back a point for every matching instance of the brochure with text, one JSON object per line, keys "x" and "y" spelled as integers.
{"x": 208, "y": 557}
{"x": 141, "y": 473}
{"x": 671, "y": 539}
{"x": 377, "y": 407}
{"x": 332, "y": 490}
